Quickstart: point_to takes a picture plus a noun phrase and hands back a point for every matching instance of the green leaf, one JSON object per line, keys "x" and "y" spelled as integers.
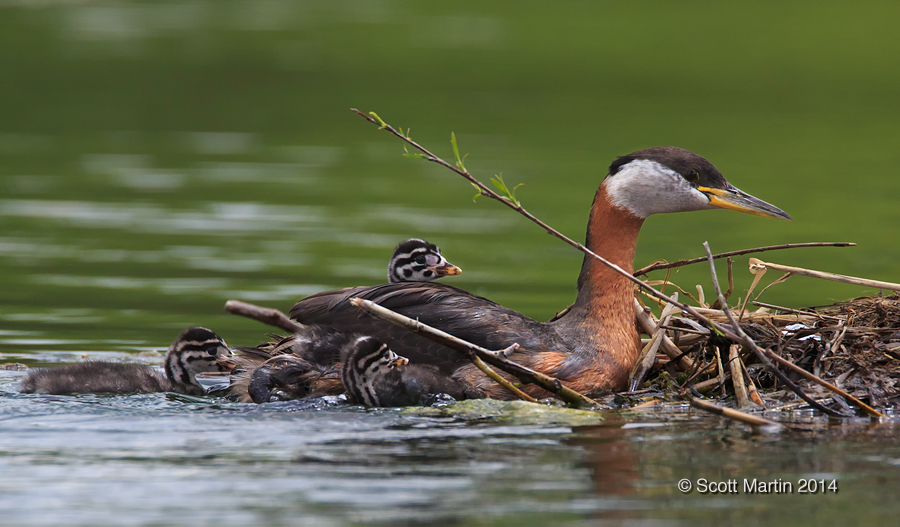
{"x": 459, "y": 162}
{"x": 499, "y": 184}
{"x": 375, "y": 116}
{"x": 416, "y": 156}
{"x": 510, "y": 195}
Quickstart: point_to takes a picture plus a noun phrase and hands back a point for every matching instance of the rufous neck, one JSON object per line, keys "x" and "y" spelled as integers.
{"x": 612, "y": 233}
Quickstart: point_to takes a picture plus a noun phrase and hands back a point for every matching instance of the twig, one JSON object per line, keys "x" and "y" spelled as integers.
{"x": 831, "y": 347}
{"x": 266, "y": 315}
{"x": 737, "y": 376}
{"x": 720, "y": 369}
{"x": 664, "y": 265}
{"x": 485, "y": 191}
{"x": 496, "y": 359}
{"x": 795, "y": 311}
{"x": 648, "y": 326}
{"x": 865, "y": 282}
{"x": 749, "y": 343}
{"x": 809, "y": 376}
{"x": 837, "y": 341}
{"x": 709, "y": 384}
{"x": 735, "y": 414}
{"x": 648, "y": 354}
{"x": 753, "y": 393}
{"x": 680, "y": 329}
{"x": 648, "y": 404}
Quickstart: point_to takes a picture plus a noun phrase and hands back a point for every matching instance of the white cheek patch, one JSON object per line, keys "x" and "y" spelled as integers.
{"x": 646, "y": 187}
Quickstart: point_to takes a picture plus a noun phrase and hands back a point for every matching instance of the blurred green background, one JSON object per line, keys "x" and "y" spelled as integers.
{"x": 157, "y": 159}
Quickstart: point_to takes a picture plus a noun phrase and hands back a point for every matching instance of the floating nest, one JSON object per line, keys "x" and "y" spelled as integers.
{"x": 854, "y": 345}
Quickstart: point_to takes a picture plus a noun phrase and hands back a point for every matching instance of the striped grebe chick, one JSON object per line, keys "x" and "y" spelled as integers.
{"x": 373, "y": 375}
{"x": 416, "y": 260}
{"x": 196, "y": 350}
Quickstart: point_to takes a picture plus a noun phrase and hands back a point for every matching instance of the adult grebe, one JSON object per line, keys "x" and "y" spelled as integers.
{"x": 595, "y": 344}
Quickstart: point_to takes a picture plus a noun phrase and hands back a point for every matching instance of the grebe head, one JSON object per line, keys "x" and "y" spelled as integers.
{"x": 366, "y": 360}
{"x": 196, "y": 350}
{"x": 416, "y": 260}
{"x": 671, "y": 179}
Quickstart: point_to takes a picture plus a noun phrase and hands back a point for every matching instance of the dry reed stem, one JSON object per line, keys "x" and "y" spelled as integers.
{"x": 865, "y": 282}
{"x": 795, "y": 311}
{"x": 756, "y": 316}
{"x": 737, "y": 376}
{"x": 720, "y": 369}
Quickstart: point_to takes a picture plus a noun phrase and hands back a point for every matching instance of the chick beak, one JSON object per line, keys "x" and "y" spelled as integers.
{"x": 446, "y": 269}
{"x": 399, "y": 361}
{"x": 734, "y": 198}
{"x": 226, "y": 363}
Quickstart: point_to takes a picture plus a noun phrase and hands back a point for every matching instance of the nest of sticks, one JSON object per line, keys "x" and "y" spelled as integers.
{"x": 854, "y": 345}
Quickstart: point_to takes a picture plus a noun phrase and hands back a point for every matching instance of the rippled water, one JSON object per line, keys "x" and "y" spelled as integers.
{"x": 158, "y": 459}
{"x": 159, "y": 159}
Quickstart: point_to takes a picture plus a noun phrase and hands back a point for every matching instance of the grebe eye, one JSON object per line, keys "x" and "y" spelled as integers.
{"x": 692, "y": 176}
{"x": 421, "y": 260}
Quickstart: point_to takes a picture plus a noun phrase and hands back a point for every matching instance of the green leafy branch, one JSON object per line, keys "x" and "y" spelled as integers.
{"x": 510, "y": 195}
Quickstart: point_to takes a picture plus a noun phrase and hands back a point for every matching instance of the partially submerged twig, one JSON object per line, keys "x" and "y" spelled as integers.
{"x": 496, "y": 359}
{"x": 266, "y": 315}
{"x": 735, "y": 414}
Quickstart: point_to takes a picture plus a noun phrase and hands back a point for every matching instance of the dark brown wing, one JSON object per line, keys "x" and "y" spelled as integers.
{"x": 445, "y": 307}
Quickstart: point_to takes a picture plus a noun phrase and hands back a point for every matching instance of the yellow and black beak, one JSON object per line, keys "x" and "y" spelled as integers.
{"x": 736, "y": 199}
{"x": 446, "y": 269}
